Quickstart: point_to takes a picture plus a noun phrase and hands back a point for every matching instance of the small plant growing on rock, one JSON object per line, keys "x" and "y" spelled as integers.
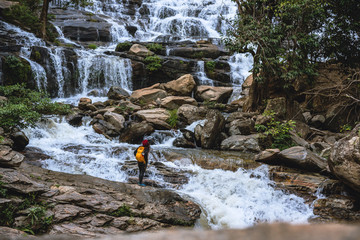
{"x": 123, "y": 47}
{"x": 210, "y": 66}
{"x": 154, "y": 47}
{"x": 92, "y": 46}
{"x": 3, "y": 191}
{"x": 153, "y": 63}
{"x": 173, "y": 119}
{"x": 278, "y": 131}
{"x": 345, "y": 128}
{"x": 124, "y": 210}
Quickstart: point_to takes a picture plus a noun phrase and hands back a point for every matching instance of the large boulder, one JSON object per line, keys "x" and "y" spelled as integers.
{"x": 174, "y": 102}
{"x": 136, "y": 132}
{"x": 147, "y": 95}
{"x": 150, "y": 114}
{"x": 10, "y": 158}
{"x": 243, "y": 143}
{"x": 241, "y": 127}
{"x": 190, "y": 113}
{"x": 115, "y": 119}
{"x": 140, "y": 50}
{"x": 117, "y": 93}
{"x": 212, "y": 129}
{"x": 344, "y": 160}
{"x": 213, "y": 94}
{"x": 20, "y": 140}
{"x": 182, "y": 86}
{"x": 295, "y": 157}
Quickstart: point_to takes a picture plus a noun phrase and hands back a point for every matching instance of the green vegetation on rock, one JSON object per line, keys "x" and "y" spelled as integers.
{"x": 123, "y": 47}
{"x": 154, "y": 47}
{"x": 16, "y": 70}
{"x": 278, "y": 131}
{"x": 153, "y": 63}
{"x": 210, "y": 66}
{"x": 173, "y": 119}
{"x": 92, "y": 46}
{"x": 24, "y": 107}
{"x": 124, "y": 210}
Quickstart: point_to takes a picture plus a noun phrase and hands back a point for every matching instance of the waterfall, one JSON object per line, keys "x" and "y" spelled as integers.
{"x": 240, "y": 66}
{"x": 203, "y": 79}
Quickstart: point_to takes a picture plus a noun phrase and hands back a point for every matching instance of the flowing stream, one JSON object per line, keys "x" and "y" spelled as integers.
{"x": 229, "y": 199}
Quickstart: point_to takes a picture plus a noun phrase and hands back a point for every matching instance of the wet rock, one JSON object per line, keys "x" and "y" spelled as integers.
{"x": 117, "y": 93}
{"x": 10, "y": 158}
{"x": 240, "y": 116}
{"x": 198, "y": 133}
{"x": 182, "y": 86}
{"x": 105, "y": 128}
{"x": 115, "y": 119}
{"x": 153, "y": 114}
{"x": 267, "y": 155}
{"x": 244, "y": 143}
{"x": 174, "y": 102}
{"x": 183, "y": 143}
{"x": 213, "y": 126}
{"x": 190, "y": 113}
{"x": 345, "y": 158}
{"x": 300, "y": 158}
{"x": 213, "y": 94}
{"x": 147, "y": 95}
{"x": 278, "y": 106}
{"x": 34, "y": 155}
{"x": 64, "y": 212}
{"x": 307, "y": 116}
{"x": 21, "y": 183}
{"x": 75, "y": 119}
{"x": 317, "y": 120}
{"x": 242, "y": 127}
{"x": 127, "y": 105}
{"x": 199, "y": 51}
{"x": 136, "y": 132}
{"x": 20, "y": 140}
{"x": 188, "y": 135}
{"x": 140, "y": 50}
{"x": 7, "y": 233}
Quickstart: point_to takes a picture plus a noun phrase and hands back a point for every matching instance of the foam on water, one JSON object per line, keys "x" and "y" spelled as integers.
{"x": 243, "y": 198}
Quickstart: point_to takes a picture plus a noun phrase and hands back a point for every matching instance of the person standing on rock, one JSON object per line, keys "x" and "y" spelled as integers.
{"x": 142, "y": 156}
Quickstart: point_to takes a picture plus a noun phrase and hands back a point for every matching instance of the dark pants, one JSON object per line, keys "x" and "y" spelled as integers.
{"x": 142, "y": 169}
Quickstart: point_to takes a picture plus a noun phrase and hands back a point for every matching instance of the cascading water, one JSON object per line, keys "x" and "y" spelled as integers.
{"x": 201, "y": 75}
{"x": 240, "y": 66}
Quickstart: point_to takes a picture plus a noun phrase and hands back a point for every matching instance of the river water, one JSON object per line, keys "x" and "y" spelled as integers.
{"x": 229, "y": 199}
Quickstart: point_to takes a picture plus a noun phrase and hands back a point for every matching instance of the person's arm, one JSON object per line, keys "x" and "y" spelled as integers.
{"x": 146, "y": 154}
{"x": 136, "y": 151}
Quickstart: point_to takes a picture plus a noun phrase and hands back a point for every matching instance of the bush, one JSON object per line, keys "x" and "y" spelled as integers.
{"x": 153, "y": 63}
{"x": 278, "y": 131}
{"x": 24, "y": 107}
{"x": 123, "y": 47}
{"x": 154, "y": 47}
{"x": 16, "y": 70}
{"x": 92, "y": 46}
{"x": 173, "y": 119}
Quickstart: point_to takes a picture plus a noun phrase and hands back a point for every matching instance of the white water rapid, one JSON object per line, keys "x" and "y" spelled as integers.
{"x": 228, "y": 199}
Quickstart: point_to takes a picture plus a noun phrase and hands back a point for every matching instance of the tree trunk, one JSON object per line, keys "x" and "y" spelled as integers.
{"x": 43, "y": 17}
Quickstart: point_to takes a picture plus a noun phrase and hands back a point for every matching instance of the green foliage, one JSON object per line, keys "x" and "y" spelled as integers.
{"x": 345, "y": 128}
{"x": 16, "y": 70}
{"x": 153, "y": 63}
{"x": 24, "y": 107}
{"x": 92, "y": 46}
{"x": 210, "y": 66}
{"x": 214, "y": 105}
{"x": 124, "y": 210}
{"x": 154, "y": 47}
{"x": 173, "y": 119}
{"x": 7, "y": 212}
{"x": 24, "y": 14}
{"x": 123, "y": 47}
{"x": 197, "y": 55}
{"x": 3, "y": 191}
{"x": 2, "y": 139}
{"x": 278, "y": 131}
